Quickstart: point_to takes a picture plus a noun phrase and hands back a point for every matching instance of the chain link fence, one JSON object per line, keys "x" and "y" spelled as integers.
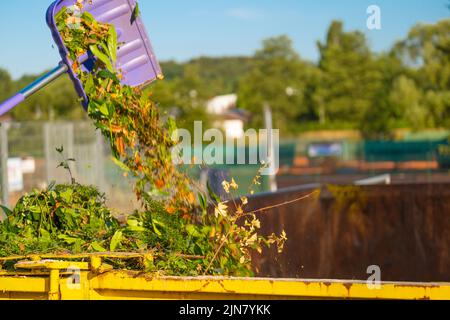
{"x": 29, "y": 160}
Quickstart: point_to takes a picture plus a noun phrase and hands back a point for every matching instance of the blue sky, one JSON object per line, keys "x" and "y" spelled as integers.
{"x": 182, "y": 29}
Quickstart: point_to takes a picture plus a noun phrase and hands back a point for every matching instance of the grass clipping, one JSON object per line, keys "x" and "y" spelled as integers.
{"x": 174, "y": 229}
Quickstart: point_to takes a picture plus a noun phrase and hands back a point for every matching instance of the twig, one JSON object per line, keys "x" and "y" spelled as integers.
{"x": 190, "y": 257}
{"x": 252, "y": 212}
{"x": 217, "y": 252}
{"x": 283, "y": 204}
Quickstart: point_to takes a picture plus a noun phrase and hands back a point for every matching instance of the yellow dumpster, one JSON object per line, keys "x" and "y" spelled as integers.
{"x": 88, "y": 277}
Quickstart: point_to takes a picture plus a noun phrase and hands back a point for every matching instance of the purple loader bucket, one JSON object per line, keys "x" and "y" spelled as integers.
{"x": 135, "y": 57}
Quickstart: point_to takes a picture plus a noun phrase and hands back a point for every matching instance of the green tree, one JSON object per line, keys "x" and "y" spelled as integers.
{"x": 6, "y": 85}
{"x": 383, "y": 116}
{"x": 279, "y": 78}
{"x": 427, "y": 51}
{"x": 184, "y": 98}
{"x": 407, "y": 98}
{"x": 224, "y": 72}
{"x": 280, "y": 47}
{"x": 349, "y": 79}
{"x": 57, "y": 101}
{"x": 172, "y": 69}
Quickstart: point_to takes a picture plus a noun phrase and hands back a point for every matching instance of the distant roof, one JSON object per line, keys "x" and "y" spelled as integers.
{"x": 221, "y": 104}
{"x": 236, "y": 114}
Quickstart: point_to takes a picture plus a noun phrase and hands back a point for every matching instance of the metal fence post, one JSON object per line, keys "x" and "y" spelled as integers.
{"x": 46, "y": 137}
{"x": 4, "y": 166}
{"x": 100, "y": 161}
{"x": 268, "y": 119}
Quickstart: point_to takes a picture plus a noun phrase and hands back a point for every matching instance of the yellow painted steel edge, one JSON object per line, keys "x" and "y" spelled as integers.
{"x": 121, "y": 281}
{"x": 69, "y": 256}
{"x": 51, "y": 265}
{"x": 24, "y": 284}
{"x": 132, "y": 285}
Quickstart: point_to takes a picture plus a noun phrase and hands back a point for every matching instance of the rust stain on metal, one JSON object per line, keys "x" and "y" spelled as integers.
{"x": 348, "y": 286}
{"x": 392, "y": 230}
{"x": 227, "y": 290}
{"x": 202, "y": 287}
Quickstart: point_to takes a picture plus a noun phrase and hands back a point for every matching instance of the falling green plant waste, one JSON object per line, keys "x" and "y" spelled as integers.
{"x": 173, "y": 227}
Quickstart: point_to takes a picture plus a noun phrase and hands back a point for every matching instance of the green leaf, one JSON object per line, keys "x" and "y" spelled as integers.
{"x": 88, "y": 17}
{"x": 136, "y": 13}
{"x": 120, "y": 164}
{"x": 111, "y": 110}
{"x": 106, "y": 74}
{"x": 89, "y": 85}
{"x": 67, "y": 239}
{"x": 59, "y": 15}
{"x": 192, "y": 231}
{"x": 155, "y": 228}
{"x": 171, "y": 126}
{"x": 45, "y": 234}
{"x": 67, "y": 195}
{"x": 104, "y": 109}
{"x": 97, "y": 247}
{"x": 93, "y": 107}
{"x": 116, "y": 240}
{"x": 112, "y": 43}
{"x": 159, "y": 223}
{"x": 51, "y": 185}
{"x": 157, "y": 193}
{"x": 202, "y": 201}
{"x": 212, "y": 194}
{"x": 6, "y": 210}
{"x": 102, "y": 57}
{"x": 134, "y": 225}
{"x": 70, "y": 216}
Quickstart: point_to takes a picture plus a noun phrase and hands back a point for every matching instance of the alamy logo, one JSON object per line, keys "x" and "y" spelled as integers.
{"x": 254, "y": 148}
{"x": 374, "y": 19}
{"x": 374, "y": 281}
{"x": 74, "y": 280}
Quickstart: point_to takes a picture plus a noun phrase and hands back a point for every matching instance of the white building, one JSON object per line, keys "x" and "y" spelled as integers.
{"x": 227, "y": 116}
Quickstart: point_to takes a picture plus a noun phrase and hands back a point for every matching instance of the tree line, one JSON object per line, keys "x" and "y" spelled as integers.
{"x": 349, "y": 87}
